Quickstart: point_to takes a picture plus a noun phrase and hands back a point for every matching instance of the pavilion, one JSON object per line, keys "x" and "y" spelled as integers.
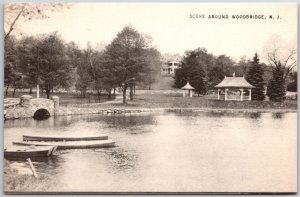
{"x": 233, "y": 88}
{"x": 189, "y": 88}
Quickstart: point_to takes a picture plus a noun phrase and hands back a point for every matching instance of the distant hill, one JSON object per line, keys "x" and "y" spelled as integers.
{"x": 163, "y": 83}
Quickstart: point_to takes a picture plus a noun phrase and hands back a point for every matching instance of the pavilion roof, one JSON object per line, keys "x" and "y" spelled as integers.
{"x": 234, "y": 82}
{"x": 187, "y": 87}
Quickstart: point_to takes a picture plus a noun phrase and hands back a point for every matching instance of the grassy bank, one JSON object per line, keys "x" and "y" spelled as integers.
{"x": 66, "y": 98}
{"x": 18, "y": 183}
{"x": 170, "y": 101}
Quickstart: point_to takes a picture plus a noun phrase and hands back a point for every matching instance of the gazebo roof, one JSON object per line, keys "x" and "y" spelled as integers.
{"x": 234, "y": 82}
{"x": 187, "y": 87}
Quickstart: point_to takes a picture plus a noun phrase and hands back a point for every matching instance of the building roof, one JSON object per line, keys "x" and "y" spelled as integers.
{"x": 187, "y": 87}
{"x": 234, "y": 82}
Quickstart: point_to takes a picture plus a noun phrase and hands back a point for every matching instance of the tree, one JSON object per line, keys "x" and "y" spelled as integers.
{"x": 292, "y": 86}
{"x": 124, "y": 58}
{"x": 27, "y": 11}
{"x": 85, "y": 69}
{"x": 215, "y": 76}
{"x": 222, "y": 66}
{"x": 54, "y": 67}
{"x": 12, "y": 75}
{"x": 191, "y": 70}
{"x": 27, "y": 51}
{"x": 153, "y": 60}
{"x": 278, "y": 52}
{"x": 255, "y": 77}
{"x": 276, "y": 86}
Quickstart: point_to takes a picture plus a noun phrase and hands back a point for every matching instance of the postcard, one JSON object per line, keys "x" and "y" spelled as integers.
{"x": 150, "y": 98}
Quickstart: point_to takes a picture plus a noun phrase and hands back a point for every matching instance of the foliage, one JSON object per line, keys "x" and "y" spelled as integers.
{"x": 292, "y": 86}
{"x": 281, "y": 56}
{"x": 276, "y": 86}
{"x": 152, "y": 57}
{"x": 191, "y": 70}
{"x": 85, "y": 64}
{"x": 125, "y": 59}
{"x": 255, "y": 77}
{"x": 28, "y": 58}
{"x": 56, "y": 70}
{"x": 12, "y": 75}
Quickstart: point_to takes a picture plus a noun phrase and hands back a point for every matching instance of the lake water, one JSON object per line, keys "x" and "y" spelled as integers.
{"x": 171, "y": 152}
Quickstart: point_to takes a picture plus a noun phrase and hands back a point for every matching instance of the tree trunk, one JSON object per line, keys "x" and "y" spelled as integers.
{"x": 48, "y": 91}
{"x": 83, "y": 93}
{"x": 109, "y": 94}
{"x": 99, "y": 95}
{"x": 124, "y": 93}
{"x": 14, "y": 92}
{"x": 6, "y": 91}
{"x": 134, "y": 89}
{"x": 14, "y": 22}
{"x": 149, "y": 86}
{"x": 114, "y": 91}
{"x": 30, "y": 90}
{"x": 131, "y": 92}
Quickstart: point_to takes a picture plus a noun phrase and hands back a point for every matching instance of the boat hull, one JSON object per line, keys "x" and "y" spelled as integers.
{"x": 50, "y": 138}
{"x": 29, "y": 153}
{"x": 72, "y": 145}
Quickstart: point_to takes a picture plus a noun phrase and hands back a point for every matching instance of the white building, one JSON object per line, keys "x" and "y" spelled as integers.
{"x": 169, "y": 67}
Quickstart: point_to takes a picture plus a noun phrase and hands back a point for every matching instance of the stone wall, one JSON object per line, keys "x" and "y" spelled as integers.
{"x": 27, "y": 106}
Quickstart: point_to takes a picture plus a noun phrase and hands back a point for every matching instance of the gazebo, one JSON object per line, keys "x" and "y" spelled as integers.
{"x": 189, "y": 88}
{"x": 233, "y": 88}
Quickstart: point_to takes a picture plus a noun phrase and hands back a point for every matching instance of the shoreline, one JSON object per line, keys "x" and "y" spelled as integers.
{"x": 83, "y": 111}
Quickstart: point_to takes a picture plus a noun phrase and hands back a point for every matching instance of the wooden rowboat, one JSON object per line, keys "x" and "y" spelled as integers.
{"x": 71, "y": 144}
{"x": 62, "y": 138}
{"x": 28, "y": 151}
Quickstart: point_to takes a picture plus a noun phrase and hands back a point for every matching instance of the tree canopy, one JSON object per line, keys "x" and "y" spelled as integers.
{"x": 255, "y": 77}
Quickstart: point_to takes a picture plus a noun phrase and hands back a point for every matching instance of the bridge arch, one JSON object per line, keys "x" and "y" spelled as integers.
{"x": 41, "y": 114}
{"x": 28, "y": 107}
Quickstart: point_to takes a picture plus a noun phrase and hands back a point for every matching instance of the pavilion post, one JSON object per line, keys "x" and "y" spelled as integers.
{"x": 249, "y": 94}
{"x": 242, "y": 93}
{"x": 218, "y": 94}
{"x": 225, "y": 94}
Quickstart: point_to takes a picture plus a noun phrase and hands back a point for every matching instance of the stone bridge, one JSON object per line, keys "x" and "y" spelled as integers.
{"x": 28, "y": 107}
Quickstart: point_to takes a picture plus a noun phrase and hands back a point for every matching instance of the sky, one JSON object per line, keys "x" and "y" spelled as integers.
{"x": 171, "y": 27}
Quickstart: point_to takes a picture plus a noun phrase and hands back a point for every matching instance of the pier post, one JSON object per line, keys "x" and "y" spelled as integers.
{"x": 56, "y": 103}
{"x": 25, "y": 100}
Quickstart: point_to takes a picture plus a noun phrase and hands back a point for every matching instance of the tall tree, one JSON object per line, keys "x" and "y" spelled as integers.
{"x": 276, "y": 86}
{"x": 12, "y": 74}
{"x": 56, "y": 70}
{"x": 28, "y": 57}
{"x": 255, "y": 77}
{"x": 192, "y": 70}
{"x": 153, "y": 60}
{"x": 215, "y": 76}
{"x": 124, "y": 58}
{"x": 292, "y": 86}
{"x": 280, "y": 54}
{"x": 85, "y": 70}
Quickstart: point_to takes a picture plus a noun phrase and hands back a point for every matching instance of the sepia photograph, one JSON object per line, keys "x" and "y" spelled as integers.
{"x": 150, "y": 98}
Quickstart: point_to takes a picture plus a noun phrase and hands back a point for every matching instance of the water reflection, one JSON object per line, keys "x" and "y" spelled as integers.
{"x": 119, "y": 159}
{"x": 205, "y": 151}
{"x": 255, "y": 115}
{"x": 278, "y": 115}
